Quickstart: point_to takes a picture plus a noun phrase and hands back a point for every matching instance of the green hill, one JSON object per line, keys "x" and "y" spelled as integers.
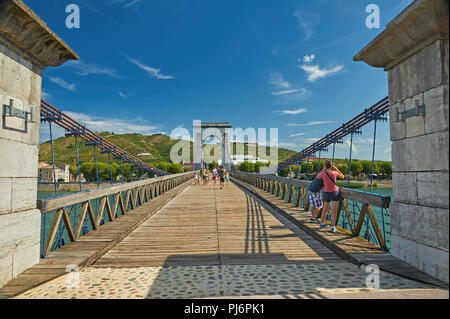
{"x": 158, "y": 145}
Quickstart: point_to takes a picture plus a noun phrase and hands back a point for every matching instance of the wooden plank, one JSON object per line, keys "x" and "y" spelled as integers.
{"x": 376, "y": 227}
{"x": 127, "y": 199}
{"x": 361, "y": 220}
{"x": 47, "y": 205}
{"x": 92, "y": 216}
{"x": 348, "y": 215}
{"x": 52, "y": 232}
{"x": 100, "y": 211}
{"x": 84, "y": 208}
{"x": 109, "y": 210}
{"x": 69, "y": 228}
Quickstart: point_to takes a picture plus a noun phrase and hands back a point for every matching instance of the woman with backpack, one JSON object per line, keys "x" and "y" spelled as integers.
{"x": 330, "y": 193}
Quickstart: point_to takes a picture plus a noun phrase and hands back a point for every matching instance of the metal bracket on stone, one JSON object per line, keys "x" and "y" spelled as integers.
{"x": 11, "y": 111}
{"x": 418, "y": 110}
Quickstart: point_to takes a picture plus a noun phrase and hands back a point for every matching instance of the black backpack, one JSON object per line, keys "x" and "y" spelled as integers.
{"x": 316, "y": 185}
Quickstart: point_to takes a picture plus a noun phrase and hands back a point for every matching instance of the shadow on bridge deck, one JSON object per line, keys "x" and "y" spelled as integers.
{"x": 208, "y": 226}
{"x": 209, "y": 243}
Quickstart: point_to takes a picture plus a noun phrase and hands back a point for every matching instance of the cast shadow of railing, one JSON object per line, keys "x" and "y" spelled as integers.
{"x": 251, "y": 269}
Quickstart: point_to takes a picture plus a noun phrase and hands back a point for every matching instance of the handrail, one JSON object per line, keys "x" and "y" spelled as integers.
{"x": 49, "y": 204}
{"x": 286, "y": 187}
{"x": 112, "y": 199}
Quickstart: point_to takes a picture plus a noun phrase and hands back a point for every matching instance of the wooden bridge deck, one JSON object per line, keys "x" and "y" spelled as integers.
{"x": 208, "y": 226}
{"x": 205, "y": 226}
{"x": 355, "y": 249}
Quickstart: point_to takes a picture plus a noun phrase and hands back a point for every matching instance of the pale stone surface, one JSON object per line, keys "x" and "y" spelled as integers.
{"x": 433, "y": 189}
{"x": 24, "y": 193}
{"x": 19, "y": 243}
{"x": 433, "y": 261}
{"x": 18, "y": 159}
{"x": 425, "y": 225}
{"x": 436, "y": 108}
{"x": 5, "y": 268}
{"x": 27, "y": 46}
{"x": 415, "y": 125}
{"x": 5, "y": 195}
{"x": 421, "y": 153}
{"x": 404, "y": 187}
{"x": 19, "y": 230}
{"x": 404, "y": 249}
{"x": 24, "y": 258}
{"x": 213, "y": 281}
{"x": 397, "y": 127}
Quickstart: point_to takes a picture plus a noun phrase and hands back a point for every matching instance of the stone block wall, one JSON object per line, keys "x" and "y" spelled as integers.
{"x": 420, "y": 160}
{"x": 20, "y": 221}
{"x": 414, "y": 49}
{"x": 27, "y": 47}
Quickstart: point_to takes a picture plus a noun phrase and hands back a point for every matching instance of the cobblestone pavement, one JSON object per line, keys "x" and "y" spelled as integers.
{"x": 216, "y": 281}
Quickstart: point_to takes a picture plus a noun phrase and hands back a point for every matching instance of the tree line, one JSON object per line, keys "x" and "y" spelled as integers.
{"x": 357, "y": 168}
{"x": 90, "y": 175}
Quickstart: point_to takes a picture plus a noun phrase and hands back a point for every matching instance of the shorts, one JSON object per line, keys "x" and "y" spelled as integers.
{"x": 331, "y": 196}
{"x": 315, "y": 199}
{"x": 222, "y": 179}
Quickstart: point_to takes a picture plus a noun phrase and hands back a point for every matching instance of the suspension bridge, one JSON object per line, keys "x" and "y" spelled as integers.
{"x": 161, "y": 235}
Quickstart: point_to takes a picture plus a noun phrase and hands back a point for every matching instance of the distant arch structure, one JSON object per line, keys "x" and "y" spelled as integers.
{"x": 205, "y": 130}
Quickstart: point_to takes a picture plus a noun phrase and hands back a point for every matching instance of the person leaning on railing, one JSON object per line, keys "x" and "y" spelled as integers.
{"x": 330, "y": 193}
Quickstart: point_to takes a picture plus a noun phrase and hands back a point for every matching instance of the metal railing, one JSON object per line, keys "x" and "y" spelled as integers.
{"x": 76, "y": 210}
{"x": 369, "y": 210}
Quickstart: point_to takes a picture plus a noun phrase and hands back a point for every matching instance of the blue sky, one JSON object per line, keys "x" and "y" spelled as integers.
{"x": 151, "y": 66}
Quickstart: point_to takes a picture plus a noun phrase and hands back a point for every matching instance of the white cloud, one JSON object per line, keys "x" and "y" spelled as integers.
{"x": 308, "y": 58}
{"x": 45, "y": 95}
{"x": 388, "y": 150}
{"x": 315, "y": 72}
{"x": 125, "y": 4}
{"x": 287, "y": 145}
{"x": 360, "y": 140}
{"x": 284, "y": 92}
{"x": 311, "y": 140}
{"x": 283, "y": 87}
{"x": 347, "y": 145}
{"x": 293, "y": 112}
{"x": 84, "y": 69}
{"x": 62, "y": 83}
{"x": 124, "y": 95}
{"x": 156, "y": 73}
{"x": 306, "y": 22}
{"x": 278, "y": 81}
{"x": 296, "y": 134}
{"x": 119, "y": 126}
{"x": 312, "y": 123}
